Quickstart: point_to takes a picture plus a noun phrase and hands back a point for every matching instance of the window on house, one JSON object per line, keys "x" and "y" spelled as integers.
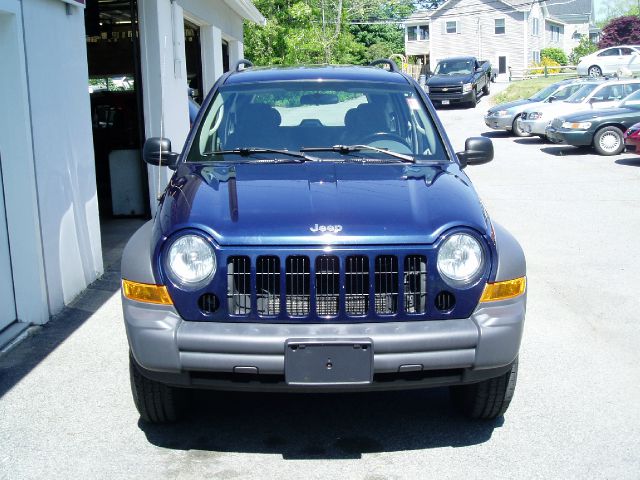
{"x": 412, "y": 33}
{"x": 535, "y": 27}
{"x": 536, "y": 56}
{"x": 555, "y": 33}
{"x": 423, "y": 32}
{"x": 452, "y": 26}
{"x": 499, "y": 26}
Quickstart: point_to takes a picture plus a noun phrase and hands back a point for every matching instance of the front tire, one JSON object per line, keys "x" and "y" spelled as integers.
{"x": 608, "y": 141}
{"x": 594, "y": 71}
{"x": 474, "y": 99}
{"x": 488, "y": 399}
{"x": 155, "y": 401}
{"x": 486, "y": 90}
{"x": 516, "y": 128}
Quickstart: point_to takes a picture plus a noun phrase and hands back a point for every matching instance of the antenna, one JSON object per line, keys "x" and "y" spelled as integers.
{"x": 162, "y": 66}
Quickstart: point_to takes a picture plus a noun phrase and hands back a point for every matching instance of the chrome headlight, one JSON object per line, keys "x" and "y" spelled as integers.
{"x": 577, "y": 125}
{"x": 461, "y": 259}
{"x": 501, "y": 113}
{"x": 190, "y": 261}
{"x": 467, "y": 87}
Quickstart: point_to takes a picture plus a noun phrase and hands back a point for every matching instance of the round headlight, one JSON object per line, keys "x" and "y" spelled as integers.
{"x": 461, "y": 259}
{"x": 190, "y": 261}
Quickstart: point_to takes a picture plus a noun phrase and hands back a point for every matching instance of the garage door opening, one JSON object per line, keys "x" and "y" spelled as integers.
{"x": 116, "y": 108}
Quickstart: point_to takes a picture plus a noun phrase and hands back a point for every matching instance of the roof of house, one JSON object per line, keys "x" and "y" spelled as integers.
{"x": 561, "y": 8}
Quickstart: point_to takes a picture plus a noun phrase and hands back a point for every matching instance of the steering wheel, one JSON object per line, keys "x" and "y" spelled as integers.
{"x": 380, "y": 136}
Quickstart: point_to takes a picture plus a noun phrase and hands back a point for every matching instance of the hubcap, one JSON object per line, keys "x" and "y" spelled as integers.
{"x": 594, "y": 71}
{"x": 609, "y": 142}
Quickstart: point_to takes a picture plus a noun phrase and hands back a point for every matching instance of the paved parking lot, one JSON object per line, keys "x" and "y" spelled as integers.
{"x": 66, "y": 409}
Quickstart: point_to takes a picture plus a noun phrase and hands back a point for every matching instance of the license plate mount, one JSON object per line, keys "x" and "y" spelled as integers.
{"x": 445, "y": 102}
{"x": 328, "y": 362}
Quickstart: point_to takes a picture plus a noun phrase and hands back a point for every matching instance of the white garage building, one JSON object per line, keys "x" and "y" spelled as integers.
{"x": 59, "y": 142}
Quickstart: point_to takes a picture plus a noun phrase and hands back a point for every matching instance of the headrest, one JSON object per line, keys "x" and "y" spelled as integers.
{"x": 258, "y": 115}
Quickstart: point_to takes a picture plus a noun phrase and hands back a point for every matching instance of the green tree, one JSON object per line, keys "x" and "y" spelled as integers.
{"x": 555, "y": 54}
{"x": 321, "y": 31}
{"x": 584, "y": 48}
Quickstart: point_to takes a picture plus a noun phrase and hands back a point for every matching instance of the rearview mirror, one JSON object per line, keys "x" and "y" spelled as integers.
{"x": 157, "y": 151}
{"x": 477, "y": 150}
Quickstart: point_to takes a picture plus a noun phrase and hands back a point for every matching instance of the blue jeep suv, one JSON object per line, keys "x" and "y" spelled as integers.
{"x": 319, "y": 234}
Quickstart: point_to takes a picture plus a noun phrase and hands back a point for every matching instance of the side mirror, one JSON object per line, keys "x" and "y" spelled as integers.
{"x": 551, "y": 99}
{"x": 477, "y": 150}
{"x": 157, "y": 151}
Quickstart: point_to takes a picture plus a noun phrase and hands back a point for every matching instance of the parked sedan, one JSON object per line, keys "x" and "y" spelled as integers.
{"x": 603, "y": 129}
{"x": 632, "y": 138}
{"x": 593, "y": 94}
{"x": 608, "y": 60}
{"x": 506, "y": 115}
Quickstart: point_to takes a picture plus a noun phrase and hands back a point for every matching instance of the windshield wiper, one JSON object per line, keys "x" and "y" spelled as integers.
{"x": 346, "y": 149}
{"x": 248, "y": 151}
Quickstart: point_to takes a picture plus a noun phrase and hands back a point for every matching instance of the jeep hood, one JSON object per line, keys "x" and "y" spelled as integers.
{"x": 288, "y": 204}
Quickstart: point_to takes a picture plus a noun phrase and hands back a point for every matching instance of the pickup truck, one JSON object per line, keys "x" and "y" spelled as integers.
{"x": 320, "y": 234}
{"x": 459, "y": 80}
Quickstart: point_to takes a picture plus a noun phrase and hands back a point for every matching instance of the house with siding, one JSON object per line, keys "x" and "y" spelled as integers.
{"x": 508, "y": 33}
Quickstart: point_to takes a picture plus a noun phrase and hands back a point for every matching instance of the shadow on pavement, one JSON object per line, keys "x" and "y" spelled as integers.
{"x": 629, "y": 161}
{"x": 564, "y": 151}
{"x": 533, "y": 140}
{"x": 27, "y": 355}
{"x": 496, "y": 134}
{"x": 331, "y": 426}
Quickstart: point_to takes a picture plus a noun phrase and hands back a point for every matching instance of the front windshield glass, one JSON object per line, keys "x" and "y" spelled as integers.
{"x": 632, "y": 100}
{"x": 454, "y": 67}
{"x": 296, "y": 115}
{"x": 582, "y": 93}
{"x": 544, "y": 93}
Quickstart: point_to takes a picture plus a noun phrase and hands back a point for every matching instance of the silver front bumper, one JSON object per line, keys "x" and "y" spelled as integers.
{"x": 161, "y": 341}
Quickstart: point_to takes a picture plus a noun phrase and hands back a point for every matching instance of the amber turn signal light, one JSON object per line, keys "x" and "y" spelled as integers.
{"x": 144, "y": 292}
{"x": 504, "y": 290}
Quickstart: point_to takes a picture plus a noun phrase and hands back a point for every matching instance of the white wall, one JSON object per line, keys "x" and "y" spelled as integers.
{"x": 476, "y": 21}
{"x": 164, "y": 74}
{"x": 56, "y": 60}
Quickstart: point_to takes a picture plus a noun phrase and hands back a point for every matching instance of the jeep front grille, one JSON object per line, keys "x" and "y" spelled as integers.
{"x": 356, "y": 285}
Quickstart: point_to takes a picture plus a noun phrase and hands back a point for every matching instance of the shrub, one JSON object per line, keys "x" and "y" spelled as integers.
{"x": 621, "y": 31}
{"x": 555, "y": 54}
{"x": 545, "y": 62}
{"x": 584, "y": 48}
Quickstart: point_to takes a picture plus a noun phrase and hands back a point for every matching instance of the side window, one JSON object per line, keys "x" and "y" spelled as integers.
{"x": 611, "y": 52}
{"x": 609, "y": 93}
{"x": 629, "y": 88}
{"x": 566, "y": 92}
{"x": 626, "y": 51}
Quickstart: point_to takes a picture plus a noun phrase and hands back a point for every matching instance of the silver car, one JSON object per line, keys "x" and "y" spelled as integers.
{"x": 592, "y": 94}
{"x": 506, "y": 115}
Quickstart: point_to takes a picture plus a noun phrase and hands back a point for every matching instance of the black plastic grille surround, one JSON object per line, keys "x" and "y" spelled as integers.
{"x": 354, "y": 285}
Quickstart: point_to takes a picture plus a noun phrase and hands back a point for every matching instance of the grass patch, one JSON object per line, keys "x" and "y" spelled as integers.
{"x": 525, "y": 88}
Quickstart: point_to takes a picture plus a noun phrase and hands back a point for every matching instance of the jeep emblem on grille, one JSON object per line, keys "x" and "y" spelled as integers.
{"x": 326, "y": 228}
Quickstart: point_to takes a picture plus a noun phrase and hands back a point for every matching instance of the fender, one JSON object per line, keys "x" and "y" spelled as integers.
{"x": 511, "y": 260}
{"x": 136, "y": 258}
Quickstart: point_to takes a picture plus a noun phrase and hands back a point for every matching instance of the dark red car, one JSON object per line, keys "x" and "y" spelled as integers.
{"x": 632, "y": 138}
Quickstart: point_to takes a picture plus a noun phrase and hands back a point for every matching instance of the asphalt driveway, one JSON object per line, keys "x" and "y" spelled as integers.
{"x": 66, "y": 409}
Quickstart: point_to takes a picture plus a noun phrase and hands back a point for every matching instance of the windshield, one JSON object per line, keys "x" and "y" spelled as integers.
{"x": 544, "y": 93}
{"x": 632, "y": 100}
{"x": 454, "y": 67}
{"x": 310, "y": 114}
{"x": 582, "y": 93}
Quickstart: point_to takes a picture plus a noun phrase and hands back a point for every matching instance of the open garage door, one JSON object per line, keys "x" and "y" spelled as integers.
{"x": 7, "y": 299}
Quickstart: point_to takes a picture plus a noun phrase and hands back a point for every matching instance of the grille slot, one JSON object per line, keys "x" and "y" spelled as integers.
{"x": 268, "y": 285}
{"x": 239, "y": 285}
{"x": 357, "y": 285}
{"x": 208, "y": 303}
{"x": 327, "y": 285}
{"x": 298, "y": 276}
{"x": 445, "y": 301}
{"x": 415, "y": 284}
{"x": 386, "y": 284}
